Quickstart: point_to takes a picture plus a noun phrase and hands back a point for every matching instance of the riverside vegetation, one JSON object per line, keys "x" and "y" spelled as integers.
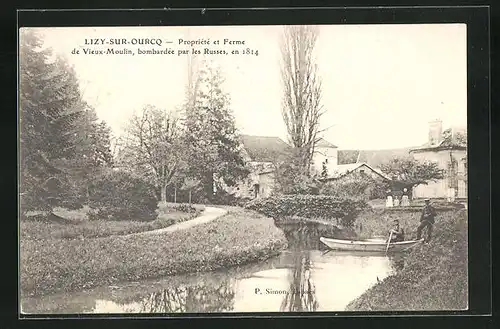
{"x": 53, "y": 264}
{"x": 434, "y": 276}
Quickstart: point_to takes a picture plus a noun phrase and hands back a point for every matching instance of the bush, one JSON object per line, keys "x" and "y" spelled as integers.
{"x": 221, "y": 197}
{"x": 292, "y": 178}
{"x": 187, "y": 208}
{"x": 309, "y": 206}
{"x": 120, "y": 195}
{"x": 356, "y": 186}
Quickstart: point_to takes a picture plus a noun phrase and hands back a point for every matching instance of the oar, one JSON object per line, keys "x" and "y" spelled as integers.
{"x": 326, "y": 252}
{"x": 388, "y": 242}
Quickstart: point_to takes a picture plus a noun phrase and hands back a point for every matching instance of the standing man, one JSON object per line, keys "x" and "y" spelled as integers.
{"x": 426, "y": 220}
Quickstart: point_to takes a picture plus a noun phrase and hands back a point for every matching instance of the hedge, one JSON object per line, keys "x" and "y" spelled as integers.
{"x": 309, "y": 206}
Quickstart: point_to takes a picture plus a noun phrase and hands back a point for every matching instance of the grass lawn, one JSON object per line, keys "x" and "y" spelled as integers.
{"x": 80, "y": 227}
{"x": 434, "y": 277}
{"x": 54, "y": 264}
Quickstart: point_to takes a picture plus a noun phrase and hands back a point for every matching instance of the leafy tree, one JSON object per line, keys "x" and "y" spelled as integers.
{"x": 49, "y": 106}
{"x": 93, "y": 155}
{"x": 189, "y": 184}
{"x": 153, "y": 148}
{"x": 412, "y": 172}
{"x": 357, "y": 186}
{"x": 290, "y": 177}
{"x": 454, "y": 139}
{"x": 210, "y": 135}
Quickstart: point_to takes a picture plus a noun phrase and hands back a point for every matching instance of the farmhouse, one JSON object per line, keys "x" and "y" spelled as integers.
{"x": 449, "y": 150}
{"x": 261, "y": 153}
{"x": 373, "y": 158}
{"x": 344, "y": 170}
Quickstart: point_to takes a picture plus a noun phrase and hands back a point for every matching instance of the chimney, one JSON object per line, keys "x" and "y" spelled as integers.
{"x": 435, "y": 132}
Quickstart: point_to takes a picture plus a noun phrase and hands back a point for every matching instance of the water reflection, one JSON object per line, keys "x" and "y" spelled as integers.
{"x": 305, "y": 236}
{"x": 305, "y": 278}
{"x": 190, "y": 299}
{"x": 301, "y": 295}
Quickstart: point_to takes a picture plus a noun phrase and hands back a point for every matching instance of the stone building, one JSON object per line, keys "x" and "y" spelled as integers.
{"x": 448, "y": 149}
{"x": 261, "y": 153}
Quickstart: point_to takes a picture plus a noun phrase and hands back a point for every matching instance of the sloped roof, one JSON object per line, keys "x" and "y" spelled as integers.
{"x": 374, "y": 158}
{"x": 264, "y": 148}
{"x": 324, "y": 143}
{"x": 344, "y": 169}
{"x": 341, "y": 170}
{"x": 452, "y": 139}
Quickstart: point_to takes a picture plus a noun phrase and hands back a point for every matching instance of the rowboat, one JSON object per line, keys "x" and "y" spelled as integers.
{"x": 369, "y": 245}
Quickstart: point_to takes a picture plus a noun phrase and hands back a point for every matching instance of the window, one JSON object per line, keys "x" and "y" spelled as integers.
{"x": 362, "y": 171}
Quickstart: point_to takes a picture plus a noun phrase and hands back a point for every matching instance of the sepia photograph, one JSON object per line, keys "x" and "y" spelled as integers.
{"x": 253, "y": 168}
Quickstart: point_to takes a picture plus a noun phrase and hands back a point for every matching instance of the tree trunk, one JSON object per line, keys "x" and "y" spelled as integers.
{"x": 163, "y": 197}
{"x": 175, "y": 194}
{"x": 190, "y": 197}
{"x": 209, "y": 186}
{"x": 87, "y": 193}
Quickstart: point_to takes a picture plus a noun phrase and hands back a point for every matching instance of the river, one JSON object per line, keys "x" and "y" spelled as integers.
{"x": 301, "y": 279}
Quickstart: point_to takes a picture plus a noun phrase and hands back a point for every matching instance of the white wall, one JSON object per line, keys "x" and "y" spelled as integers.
{"x": 439, "y": 189}
{"x": 322, "y": 153}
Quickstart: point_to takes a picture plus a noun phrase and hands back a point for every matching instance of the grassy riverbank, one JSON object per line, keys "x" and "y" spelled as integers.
{"x": 377, "y": 222}
{"x": 78, "y": 225}
{"x": 54, "y": 264}
{"x": 434, "y": 276}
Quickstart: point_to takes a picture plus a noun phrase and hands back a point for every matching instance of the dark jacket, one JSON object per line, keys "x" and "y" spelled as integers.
{"x": 398, "y": 235}
{"x": 428, "y": 214}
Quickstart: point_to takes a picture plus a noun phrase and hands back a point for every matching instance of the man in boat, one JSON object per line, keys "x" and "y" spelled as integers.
{"x": 426, "y": 220}
{"x": 398, "y": 234}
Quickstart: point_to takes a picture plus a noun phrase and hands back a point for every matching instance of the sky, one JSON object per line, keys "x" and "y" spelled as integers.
{"x": 382, "y": 84}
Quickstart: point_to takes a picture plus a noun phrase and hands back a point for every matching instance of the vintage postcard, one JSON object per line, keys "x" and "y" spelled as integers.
{"x": 222, "y": 169}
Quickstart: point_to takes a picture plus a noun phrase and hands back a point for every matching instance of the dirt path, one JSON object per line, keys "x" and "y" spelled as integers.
{"x": 208, "y": 215}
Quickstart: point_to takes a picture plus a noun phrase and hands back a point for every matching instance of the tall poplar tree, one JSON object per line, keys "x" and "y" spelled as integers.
{"x": 302, "y": 92}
